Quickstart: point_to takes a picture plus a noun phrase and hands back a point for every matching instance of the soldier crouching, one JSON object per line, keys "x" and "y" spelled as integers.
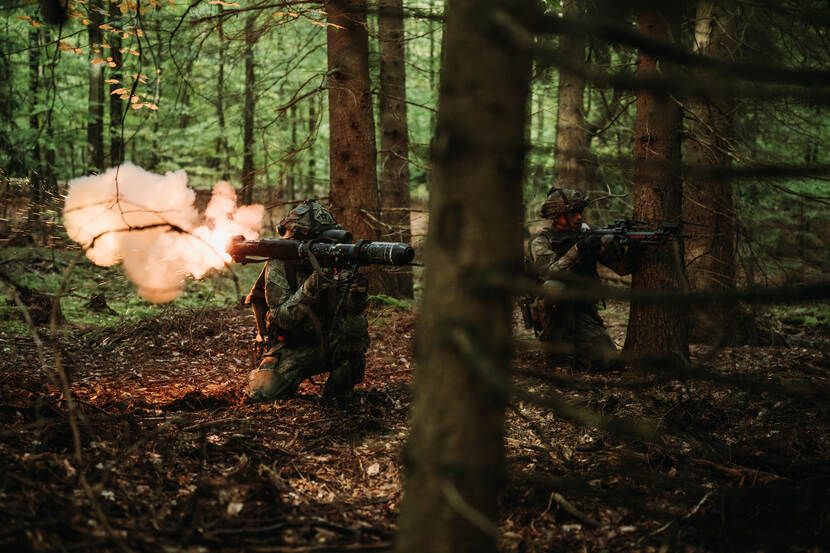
{"x": 573, "y": 330}
{"x": 311, "y": 321}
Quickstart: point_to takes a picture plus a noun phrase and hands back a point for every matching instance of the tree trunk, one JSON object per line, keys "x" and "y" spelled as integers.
{"x": 184, "y": 106}
{"x": 248, "y": 115}
{"x": 569, "y": 153}
{"x": 35, "y": 180}
{"x": 49, "y": 178}
{"x": 652, "y": 328}
{"x": 433, "y": 58}
{"x": 222, "y": 150}
{"x": 290, "y": 178}
{"x": 353, "y": 156}
{"x": 312, "y": 128}
{"x": 95, "y": 124}
{"x": 155, "y": 146}
{"x": 394, "y": 143}
{"x": 116, "y": 103}
{"x": 539, "y": 166}
{"x": 708, "y": 203}
{"x": 454, "y": 459}
{"x": 9, "y": 105}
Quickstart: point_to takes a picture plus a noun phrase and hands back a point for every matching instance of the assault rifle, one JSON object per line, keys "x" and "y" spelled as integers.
{"x": 633, "y": 231}
{"x": 332, "y": 249}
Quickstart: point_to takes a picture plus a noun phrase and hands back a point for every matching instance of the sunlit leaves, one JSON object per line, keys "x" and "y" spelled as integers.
{"x": 33, "y": 22}
{"x": 296, "y": 15}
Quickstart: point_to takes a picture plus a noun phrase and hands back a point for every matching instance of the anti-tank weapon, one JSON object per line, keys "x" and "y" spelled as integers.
{"x": 333, "y": 248}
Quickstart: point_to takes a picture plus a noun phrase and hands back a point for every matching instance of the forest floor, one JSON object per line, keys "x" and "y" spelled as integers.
{"x": 171, "y": 457}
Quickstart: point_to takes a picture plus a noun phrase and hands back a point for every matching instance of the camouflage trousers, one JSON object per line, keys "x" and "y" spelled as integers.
{"x": 281, "y": 371}
{"x": 578, "y": 336}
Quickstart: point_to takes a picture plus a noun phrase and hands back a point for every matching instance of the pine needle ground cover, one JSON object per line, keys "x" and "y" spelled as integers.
{"x": 173, "y": 459}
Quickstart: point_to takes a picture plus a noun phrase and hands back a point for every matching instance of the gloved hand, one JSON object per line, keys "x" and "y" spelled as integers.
{"x": 590, "y": 244}
{"x": 316, "y": 283}
{"x": 612, "y": 248}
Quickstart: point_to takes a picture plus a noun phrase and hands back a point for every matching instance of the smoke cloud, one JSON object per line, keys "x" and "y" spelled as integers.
{"x": 149, "y": 223}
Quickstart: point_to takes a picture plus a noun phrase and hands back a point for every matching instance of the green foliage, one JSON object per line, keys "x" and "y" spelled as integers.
{"x": 181, "y": 47}
{"x": 42, "y": 269}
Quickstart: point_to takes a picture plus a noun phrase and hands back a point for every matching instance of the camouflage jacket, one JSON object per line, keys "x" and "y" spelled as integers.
{"x": 333, "y": 316}
{"x": 552, "y": 252}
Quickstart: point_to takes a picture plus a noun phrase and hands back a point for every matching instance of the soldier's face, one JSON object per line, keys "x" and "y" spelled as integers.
{"x": 569, "y": 221}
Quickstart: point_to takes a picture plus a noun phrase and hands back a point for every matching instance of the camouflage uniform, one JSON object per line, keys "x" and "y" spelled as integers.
{"x": 555, "y": 255}
{"x": 314, "y": 323}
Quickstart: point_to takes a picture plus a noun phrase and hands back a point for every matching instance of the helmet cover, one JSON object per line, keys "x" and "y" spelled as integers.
{"x": 563, "y": 200}
{"x": 307, "y": 220}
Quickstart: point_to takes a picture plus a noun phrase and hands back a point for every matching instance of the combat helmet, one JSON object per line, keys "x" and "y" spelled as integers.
{"x": 563, "y": 200}
{"x": 307, "y": 220}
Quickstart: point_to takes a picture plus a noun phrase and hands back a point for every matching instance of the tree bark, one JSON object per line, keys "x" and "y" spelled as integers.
{"x": 95, "y": 123}
{"x": 49, "y": 178}
{"x": 569, "y": 153}
{"x": 394, "y": 143}
{"x": 454, "y": 458}
{"x": 9, "y": 105}
{"x": 36, "y": 163}
{"x": 248, "y": 176}
{"x": 657, "y": 329}
{"x": 290, "y": 178}
{"x": 708, "y": 203}
{"x": 311, "y": 177}
{"x": 116, "y": 103}
{"x": 355, "y": 202}
{"x": 222, "y": 158}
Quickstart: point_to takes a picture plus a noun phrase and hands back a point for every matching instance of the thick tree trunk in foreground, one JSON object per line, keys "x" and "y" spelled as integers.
{"x": 455, "y": 454}
{"x": 394, "y": 143}
{"x": 657, "y": 329}
{"x": 569, "y": 155}
{"x": 353, "y": 156}
{"x": 708, "y": 204}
